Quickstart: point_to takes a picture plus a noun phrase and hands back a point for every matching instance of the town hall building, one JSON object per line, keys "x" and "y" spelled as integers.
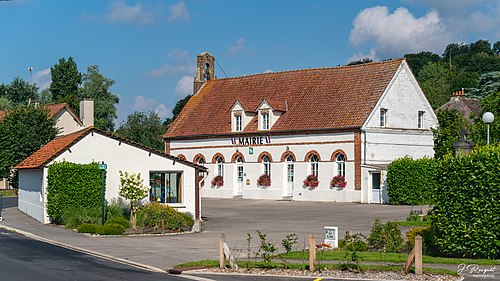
{"x": 302, "y": 128}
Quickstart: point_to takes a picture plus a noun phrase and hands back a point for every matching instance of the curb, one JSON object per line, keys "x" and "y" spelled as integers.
{"x": 84, "y": 251}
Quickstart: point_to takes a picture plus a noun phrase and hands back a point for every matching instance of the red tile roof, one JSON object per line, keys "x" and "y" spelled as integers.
{"x": 52, "y": 109}
{"x": 57, "y": 146}
{"x": 323, "y": 98}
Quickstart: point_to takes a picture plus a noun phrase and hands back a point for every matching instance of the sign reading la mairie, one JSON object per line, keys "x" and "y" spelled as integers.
{"x": 251, "y": 140}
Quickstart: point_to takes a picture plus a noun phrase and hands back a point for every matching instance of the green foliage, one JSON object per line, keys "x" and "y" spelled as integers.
{"x": 355, "y": 242}
{"x": 417, "y": 61}
{"x": 111, "y": 229}
{"x": 179, "y": 105}
{"x": 162, "y": 217}
{"x": 490, "y": 103}
{"x": 385, "y": 237}
{"x": 352, "y": 245}
{"x": 450, "y": 124}
{"x": 360, "y": 61}
{"x": 117, "y": 208}
{"x": 466, "y": 216}
{"x": 6, "y": 104}
{"x": 22, "y": 132}
{"x": 119, "y": 220}
{"x": 143, "y": 128}
{"x": 289, "y": 242}
{"x": 411, "y": 181}
{"x": 266, "y": 249}
{"x": 19, "y": 91}
{"x": 71, "y": 185}
{"x": 132, "y": 188}
{"x": 489, "y": 83}
{"x": 75, "y": 216}
{"x": 96, "y": 86}
{"x": 88, "y": 228}
{"x": 65, "y": 81}
{"x": 413, "y": 232}
{"x": 433, "y": 79}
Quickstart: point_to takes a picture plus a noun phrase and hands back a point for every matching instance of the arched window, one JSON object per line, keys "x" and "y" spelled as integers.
{"x": 340, "y": 160}
{"x": 313, "y": 163}
{"x": 239, "y": 165}
{"x": 220, "y": 166}
{"x": 200, "y": 161}
{"x": 289, "y": 168}
{"x": 266, "y": 162}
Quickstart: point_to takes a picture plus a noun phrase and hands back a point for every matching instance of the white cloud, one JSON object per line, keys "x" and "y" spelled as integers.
{"x": 392, "y": 35}
{"x": 42, "y": 78}
{"x": 184, "y": 86}
{"x": 121, "y": 12}
{"x": 183, "y": 65}
{"x": 359, "y": 56}
{"x": 147, "y": 104}
{"x": 178, "y": 12}
{"x": 239, "y": 46}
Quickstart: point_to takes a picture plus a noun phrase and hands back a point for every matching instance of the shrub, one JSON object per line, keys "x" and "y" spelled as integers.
{"x": 74, "y": 217}
{"x": 355, "y": 242}
{"x": 119, "y": 220}
{"x": 111, "y": 229}
{"x": 385, "y": 237}
{"x": 88, "y": 228}
{"x": 411, "y": 181}
{"x": 71, "y": 185}
{"x": 162, "y": 217}
{"x": 413, "y": 232}
{"x": 466, "y": 217}
{"x": 117, "y": 208}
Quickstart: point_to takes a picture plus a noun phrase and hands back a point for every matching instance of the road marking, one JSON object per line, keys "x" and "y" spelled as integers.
{"x": 192, "y": 277}
{"x": 318, "y": 279}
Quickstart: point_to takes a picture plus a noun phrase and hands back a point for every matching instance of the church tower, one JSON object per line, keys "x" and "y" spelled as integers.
{"x": 205, "y": 70}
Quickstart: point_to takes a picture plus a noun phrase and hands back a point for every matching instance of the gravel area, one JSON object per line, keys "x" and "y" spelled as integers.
{"x": 336, "y": 274}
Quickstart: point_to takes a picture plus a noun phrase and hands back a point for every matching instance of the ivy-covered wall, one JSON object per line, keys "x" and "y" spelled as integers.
{"x": 466, "y": 219}
{"x": 72, "y": 185}
{"x": 411, "y": 181}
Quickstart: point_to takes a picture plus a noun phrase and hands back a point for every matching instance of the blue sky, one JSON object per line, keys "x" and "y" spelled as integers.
{"x": 149, "y": 47}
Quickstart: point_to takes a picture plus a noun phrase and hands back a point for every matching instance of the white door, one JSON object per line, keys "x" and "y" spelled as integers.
{"x": 238, "y": 191}
{"x": 289, "y": 167}
{"x": 376, "y": 192}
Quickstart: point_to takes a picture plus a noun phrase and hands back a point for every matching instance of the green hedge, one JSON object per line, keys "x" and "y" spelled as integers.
{"x": 466, "y": 216}
{"x": 411, "y": 181}
{"x": 71, "y": 186}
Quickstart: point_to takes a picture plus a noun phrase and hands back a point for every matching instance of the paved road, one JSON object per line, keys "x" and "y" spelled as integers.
{"x": 9, "y": 202}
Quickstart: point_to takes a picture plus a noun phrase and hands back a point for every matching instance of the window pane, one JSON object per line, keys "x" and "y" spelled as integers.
{"x": 165, "y": 187}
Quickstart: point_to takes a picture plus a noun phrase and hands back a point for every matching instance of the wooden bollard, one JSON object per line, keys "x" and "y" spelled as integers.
{"x": 418, "y": 255}
{"x": 222, "y": 258}
{"x": 312, "y": 253}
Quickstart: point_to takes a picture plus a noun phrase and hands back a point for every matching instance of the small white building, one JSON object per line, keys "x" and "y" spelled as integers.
{"x": 173, "y": 181}
{"x": 350, "y": 121}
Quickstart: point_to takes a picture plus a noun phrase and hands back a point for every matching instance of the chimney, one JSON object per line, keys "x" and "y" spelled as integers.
{"x": 87, "y": 112}
{"x": 204, "y": 70}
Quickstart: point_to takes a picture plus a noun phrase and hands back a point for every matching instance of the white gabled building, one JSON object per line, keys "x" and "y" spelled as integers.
{"x": 172, "y": 181}
{"x": 350, "y": 121}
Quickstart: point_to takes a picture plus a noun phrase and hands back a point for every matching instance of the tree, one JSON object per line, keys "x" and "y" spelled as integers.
{"x": 179, "y": 105}
{"x": 22, "y": 132}
{"x": 496, "y": 48}
{"x": 19, "y": 91}
{"x": 65, "y": 82}
{"x": 96, "y": 86}
{"x": 433, "y": 79}
{"x": 451, "y": 123}
{"x": 488, "y": 83}
{"x": 361, "y": 61}
{"x": 143, "y": 128}
{"x": 491, "y": 103}
{"x": 417, "y": 61}
{"x": 132, "y": 189}
{"x": 5, "y": 104}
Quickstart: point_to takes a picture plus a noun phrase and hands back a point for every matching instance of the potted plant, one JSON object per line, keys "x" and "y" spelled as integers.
{"x": 338, "y": 181}
{"x": 264, "y": 181}
{"x": 311, "y": 182}
{"x": 217, "y": 181}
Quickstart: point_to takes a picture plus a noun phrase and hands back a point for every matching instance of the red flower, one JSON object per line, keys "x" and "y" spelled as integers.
{"x": 311, "y": 181}
{"x": 264, "y": 180}
{"x": 338, "y": 181}
{"x": 217, "y": 181}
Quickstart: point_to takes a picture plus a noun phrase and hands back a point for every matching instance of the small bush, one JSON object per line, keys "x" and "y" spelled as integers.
{"x": 88, "y": 228}
{"x": 117, "y": 208}
{"x": 119, "y": 220}
{"x": 412, "y": 233}
{"x": 355, "y": 242}
{"x": 162, "y": 217}
{"x": 74, "y": 217}
{"x": 385, "y": 237}
{"x": 111, "y": 229}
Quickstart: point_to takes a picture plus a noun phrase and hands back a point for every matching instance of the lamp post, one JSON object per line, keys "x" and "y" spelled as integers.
{"x": 31, "y": 87}
{"x": 488, "y": 118}
{"x": 103, "y": 168}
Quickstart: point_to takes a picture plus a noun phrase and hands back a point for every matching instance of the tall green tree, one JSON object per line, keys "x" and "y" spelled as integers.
{"x": 22, "y": 132}
{"x": 433, "y": 79}
{"x": 490, "y": 103}
{"x": 19, "y": 91}
{"x": 489, "y": 83}
{"x": 451, "y": 123}
{"x": 65, "y": 81}
{"x": 419, "y": 60}
{"x": 96, "y": 86}
{"x": 179, "y": 105}
{"x": 143, "y": 128}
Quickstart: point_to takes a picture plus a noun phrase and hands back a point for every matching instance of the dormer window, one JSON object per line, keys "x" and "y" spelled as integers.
{"x": 238, "y": 123}
{"x": 265, "y": 120}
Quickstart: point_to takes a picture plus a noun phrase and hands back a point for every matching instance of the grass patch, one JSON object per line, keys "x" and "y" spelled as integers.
{"x": 8, "y": 192}
{"x": 385, "y": 257}
{"x": 278, "y": 265}
{"x": 414, "y": 223}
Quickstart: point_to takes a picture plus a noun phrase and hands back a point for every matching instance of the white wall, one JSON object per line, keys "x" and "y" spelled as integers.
{"x": 66, "y": 123}
{"x": 300, "y": 145}
{"x": 31, "y": 195}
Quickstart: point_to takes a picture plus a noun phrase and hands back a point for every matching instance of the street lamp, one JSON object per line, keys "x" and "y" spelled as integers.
{"x": 488, "y": 118}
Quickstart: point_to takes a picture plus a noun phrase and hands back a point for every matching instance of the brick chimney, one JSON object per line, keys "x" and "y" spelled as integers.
{"x": 204, "y": 70}
{"x": 456, "y": 95}
{"x": 87, "y": 112}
